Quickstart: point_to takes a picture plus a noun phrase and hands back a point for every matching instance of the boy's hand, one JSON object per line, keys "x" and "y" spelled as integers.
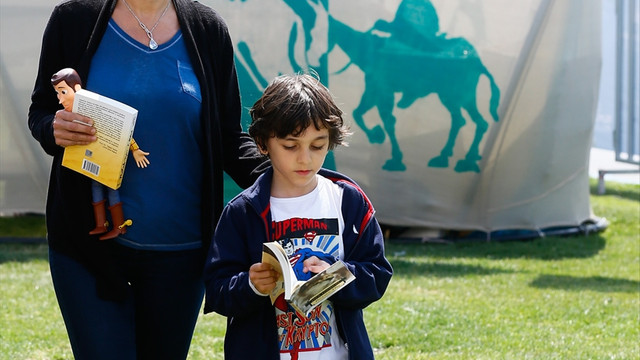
{"x": 314, "y": 265}
{"x": 263, "y": 277}
{"x": 73, "y": 129}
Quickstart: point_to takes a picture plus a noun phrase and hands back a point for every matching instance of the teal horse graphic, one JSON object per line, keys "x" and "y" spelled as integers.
{"x": 415, "y": 63}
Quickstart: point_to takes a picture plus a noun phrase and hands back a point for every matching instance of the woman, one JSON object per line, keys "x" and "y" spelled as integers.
{"x": 138, "y": 296}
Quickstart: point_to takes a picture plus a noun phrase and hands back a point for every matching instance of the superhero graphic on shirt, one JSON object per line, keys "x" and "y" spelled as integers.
{"x": 297, "y": 257}
{"x": 302, "y": 239}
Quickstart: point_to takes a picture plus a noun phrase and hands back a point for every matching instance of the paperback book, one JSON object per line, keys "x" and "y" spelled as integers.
{"x": 105, "y": 159}
{"x": 304, "y": 295}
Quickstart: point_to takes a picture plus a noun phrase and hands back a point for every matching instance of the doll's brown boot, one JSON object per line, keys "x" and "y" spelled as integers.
{"x": 119, "y": 223}
{"x": 100, "y": 218}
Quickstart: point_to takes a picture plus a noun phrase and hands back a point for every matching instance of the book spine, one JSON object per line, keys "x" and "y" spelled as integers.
{"x": 126, "y": 156}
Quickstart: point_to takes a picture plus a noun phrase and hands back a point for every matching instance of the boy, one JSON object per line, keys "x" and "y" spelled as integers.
{"x": 296, "y": 123}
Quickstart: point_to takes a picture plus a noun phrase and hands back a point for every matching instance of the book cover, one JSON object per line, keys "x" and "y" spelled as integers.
{"x": 105, "y": 159}
{"x": 304, "y": 295}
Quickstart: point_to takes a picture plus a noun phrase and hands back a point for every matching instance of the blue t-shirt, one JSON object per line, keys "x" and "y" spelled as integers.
{"x": 164, "y": 199}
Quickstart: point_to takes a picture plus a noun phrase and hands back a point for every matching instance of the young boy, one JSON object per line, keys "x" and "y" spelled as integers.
{"x": 323, "y": 214}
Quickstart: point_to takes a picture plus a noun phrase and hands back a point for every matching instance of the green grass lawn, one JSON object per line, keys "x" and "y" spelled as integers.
{"x": 552, "y": 298}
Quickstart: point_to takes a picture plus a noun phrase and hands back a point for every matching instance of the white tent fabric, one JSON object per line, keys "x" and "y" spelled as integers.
{"x": 531, "y": 166}
{"x": 544, "y": 56}
{"x": 24, "y": 167}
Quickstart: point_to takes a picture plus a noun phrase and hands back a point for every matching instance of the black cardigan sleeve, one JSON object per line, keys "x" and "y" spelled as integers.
{"x": 64, "y": 41}
{"x": 238, "y": 152}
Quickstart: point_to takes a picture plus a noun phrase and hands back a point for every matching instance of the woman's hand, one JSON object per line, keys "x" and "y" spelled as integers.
{"x": 263, "y": 277}
{"x": 73, "y": 129}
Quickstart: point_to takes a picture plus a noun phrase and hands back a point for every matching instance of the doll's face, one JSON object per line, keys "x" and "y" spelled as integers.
{"x": 65, "y": 95}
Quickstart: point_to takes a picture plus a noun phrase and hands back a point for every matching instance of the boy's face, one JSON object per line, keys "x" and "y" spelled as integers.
{"x": 296, "y": 161}
{"x": 65, "y": 95}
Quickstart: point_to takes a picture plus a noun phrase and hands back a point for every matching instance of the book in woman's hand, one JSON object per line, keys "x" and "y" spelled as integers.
{"x": 105, "y": 159}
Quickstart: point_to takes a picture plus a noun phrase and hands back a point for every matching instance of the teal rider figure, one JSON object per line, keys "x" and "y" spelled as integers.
{"x": 415, "y": 26}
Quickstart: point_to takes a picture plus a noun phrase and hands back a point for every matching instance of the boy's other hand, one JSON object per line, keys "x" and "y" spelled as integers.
{"x": 314, "y": 265}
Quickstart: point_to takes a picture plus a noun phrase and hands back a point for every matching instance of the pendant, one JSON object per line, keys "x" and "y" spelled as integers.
{"x": 153, "y": 44}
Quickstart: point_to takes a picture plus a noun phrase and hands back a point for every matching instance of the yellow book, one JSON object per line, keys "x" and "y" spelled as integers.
{"x": 103, "y": 160}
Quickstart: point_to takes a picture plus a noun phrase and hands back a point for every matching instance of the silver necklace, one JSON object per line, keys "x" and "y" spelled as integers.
{"x": 152, "y": 42}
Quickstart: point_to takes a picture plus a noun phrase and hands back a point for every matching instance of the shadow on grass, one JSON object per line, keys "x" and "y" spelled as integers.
{"x": 23, "y": 252}
{"x": 413, "y": 269}
{"x": 27, "y": 225}
{"x": 551, "y": 248}
{"x": 594, "y": 283}
{"x": 626, "y": 191}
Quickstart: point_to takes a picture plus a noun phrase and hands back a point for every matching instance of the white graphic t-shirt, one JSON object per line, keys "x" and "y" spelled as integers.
{"x": 309, "y": 225}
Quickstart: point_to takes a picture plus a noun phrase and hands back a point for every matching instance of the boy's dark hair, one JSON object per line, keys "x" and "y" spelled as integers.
{"x": 68, "y": 75}
{"x": 292, "y": 103}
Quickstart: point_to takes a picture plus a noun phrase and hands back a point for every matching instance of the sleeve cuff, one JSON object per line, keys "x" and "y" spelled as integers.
{"x": 256, "y": 290}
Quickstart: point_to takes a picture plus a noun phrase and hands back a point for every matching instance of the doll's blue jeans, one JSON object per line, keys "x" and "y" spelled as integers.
{"x": 157, "y": 319}
{"x": 98, "y": 193}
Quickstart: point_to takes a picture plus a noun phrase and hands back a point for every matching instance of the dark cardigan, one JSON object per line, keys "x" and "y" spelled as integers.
{"x": 71, "y": 38}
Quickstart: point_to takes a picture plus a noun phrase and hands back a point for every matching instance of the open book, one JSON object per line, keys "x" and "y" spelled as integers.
{"x": 304, "y": 295}
{"x": 103, "y": 160}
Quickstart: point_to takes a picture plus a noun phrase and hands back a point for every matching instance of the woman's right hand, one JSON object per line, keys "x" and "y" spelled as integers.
{"x": 73, "y": 129}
